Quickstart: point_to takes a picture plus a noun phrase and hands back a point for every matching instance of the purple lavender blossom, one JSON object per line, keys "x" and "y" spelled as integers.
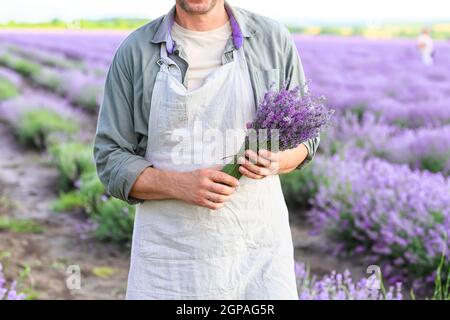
{"x": 11, "y": 292}
{"x": 385, "y": 77}
{"x": 422, "y": 148}
{"x": 341, "y": 286}
{"x": 295, "y": 115}
{"x": 397, "y": 217}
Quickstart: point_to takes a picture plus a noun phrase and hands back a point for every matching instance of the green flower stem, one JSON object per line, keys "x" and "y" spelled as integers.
{"x": 233, "y": 168}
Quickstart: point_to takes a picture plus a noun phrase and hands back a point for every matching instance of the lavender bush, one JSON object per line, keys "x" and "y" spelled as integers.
{"x": 21, "y": 66}
{"x": 341, "y": 286}
{"x": 7, "y": 89}
{"x": 386, "y": 77}
{"x": 425, "y": 148}
{"x": 422, "y": 148}
{"x": 113, "y": 219}
{"x": 71, "y": 44}
{"x": 81, "y": 88}
{"x": 8, "y": 291}
{"x": 393, "y": 215}
{"x": 45, "y": 57}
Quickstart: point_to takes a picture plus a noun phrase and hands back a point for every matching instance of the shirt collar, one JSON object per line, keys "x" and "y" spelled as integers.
{"x": 238, "y": 24}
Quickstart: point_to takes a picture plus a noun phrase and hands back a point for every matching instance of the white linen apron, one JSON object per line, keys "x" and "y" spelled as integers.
{"x": 181, "y": 251}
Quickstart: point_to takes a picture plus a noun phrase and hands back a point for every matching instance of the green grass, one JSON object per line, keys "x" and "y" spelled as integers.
{"x": 7, "y": 89}
{"x": 442, "y": 279}
{"x": 83, "y": 190}
{"x": 434, "y": 163}
{"x": 72, "y": 160}
{"x": 21, "y": 66}
{"x": 35, "y": 126}
{"x": 439, "y": 29}
{"x": 111, "y": 24}
{"x": 68, "y": 201}
{"x": 20, "y": 225}
{"x": 103, "y": 272}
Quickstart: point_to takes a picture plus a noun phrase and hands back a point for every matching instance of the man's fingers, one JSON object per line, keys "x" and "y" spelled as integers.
{"x": 250, "y": 174}
{"x": 221, "y": 188}
{"x": 262, "y": 171}
{"x": 212, "y": 205}
{"x": 222, "y": 177}
{"x": 254, "y": 158}
{"x": 216, "y": 198}
{"x": 269, "y": 155}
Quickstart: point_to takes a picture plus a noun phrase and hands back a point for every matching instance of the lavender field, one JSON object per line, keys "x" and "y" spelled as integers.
{"x": 377, "y": 194}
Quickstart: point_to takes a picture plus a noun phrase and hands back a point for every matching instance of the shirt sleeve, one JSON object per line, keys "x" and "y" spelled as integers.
{"x": 295, "y": 76}
{"x": 116, "y": 145}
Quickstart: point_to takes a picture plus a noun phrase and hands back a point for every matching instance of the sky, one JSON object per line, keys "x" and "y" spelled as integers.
{"x": 292, "y": 11}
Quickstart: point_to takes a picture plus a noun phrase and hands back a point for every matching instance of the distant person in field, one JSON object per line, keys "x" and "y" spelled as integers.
{"x": 426, "y": 46}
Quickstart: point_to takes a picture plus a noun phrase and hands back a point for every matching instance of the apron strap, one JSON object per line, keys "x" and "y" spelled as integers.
{"x": 164, "y": 58}
{"x": 163, "y": 51}
{"x": 239, "y": 57}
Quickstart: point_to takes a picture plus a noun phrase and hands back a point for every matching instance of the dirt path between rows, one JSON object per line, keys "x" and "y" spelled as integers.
{"x": 27, "y": 190}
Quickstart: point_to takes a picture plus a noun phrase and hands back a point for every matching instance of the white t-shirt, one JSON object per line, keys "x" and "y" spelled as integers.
{"x": 204, "y": 51}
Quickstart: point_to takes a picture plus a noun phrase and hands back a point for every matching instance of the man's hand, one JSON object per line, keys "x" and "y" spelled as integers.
{"x": 266, "y": 163}
{"x": 209, "y": 188}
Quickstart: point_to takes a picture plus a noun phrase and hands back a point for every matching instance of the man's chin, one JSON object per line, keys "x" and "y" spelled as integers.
{"x": 197, "y": 9}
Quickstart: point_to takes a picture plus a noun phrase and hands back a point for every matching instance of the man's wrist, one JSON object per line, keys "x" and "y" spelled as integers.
{"x": 291, "y": 159}
{"x": 171, "y": 183}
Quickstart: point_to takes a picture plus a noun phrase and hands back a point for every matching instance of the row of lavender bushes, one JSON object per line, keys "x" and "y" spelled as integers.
{"x": 388, "y": 214}
{"x": 425, "y": 148}
{"x": 50, "y": 124}
{"x": 79, "y": 86}
{"x": 379, "y": 187}
{"x": 394, "y": 216}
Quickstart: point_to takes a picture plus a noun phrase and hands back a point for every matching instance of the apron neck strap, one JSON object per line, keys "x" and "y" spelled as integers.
{"x": 163, "y": 51}
{"x": 164, "y": 57}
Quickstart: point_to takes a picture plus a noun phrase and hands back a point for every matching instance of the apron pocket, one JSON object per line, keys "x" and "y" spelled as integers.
{"x": 192, "y": 279}
{"x": 171, "y": 125}
{"x": 195, "y": 244}
{"x": 172, "y": 115}
{"x": 188, "y": 263}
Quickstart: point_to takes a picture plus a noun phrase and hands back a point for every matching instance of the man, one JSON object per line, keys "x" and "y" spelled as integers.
{"x": 200, "y": 233}
{"x": 426, "y": 47}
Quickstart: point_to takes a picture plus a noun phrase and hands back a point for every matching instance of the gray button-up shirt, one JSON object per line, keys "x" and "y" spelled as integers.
{"x": 121, "y": 138}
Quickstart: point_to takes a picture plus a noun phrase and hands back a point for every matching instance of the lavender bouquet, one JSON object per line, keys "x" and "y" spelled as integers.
{"x": 286, "y": 117}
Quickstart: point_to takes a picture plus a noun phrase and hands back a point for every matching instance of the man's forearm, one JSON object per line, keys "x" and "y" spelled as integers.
{"x": 208, "y": 188}
{"x": 155, "y": 184}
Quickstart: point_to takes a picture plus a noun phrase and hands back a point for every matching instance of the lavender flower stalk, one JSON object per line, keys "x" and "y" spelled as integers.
{"x": 11, "y": 293}
{"x": 341, "y": 286}
{"x": 287, "y": 117}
